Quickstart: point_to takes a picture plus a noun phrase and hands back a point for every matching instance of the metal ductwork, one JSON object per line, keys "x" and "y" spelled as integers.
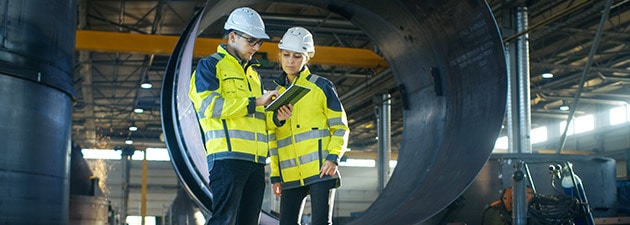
{"x": 448, "y": 59}
{"x": 36, "y": 95}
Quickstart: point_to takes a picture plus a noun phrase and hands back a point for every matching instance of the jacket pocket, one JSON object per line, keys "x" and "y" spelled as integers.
{"x": 233, "y": 86}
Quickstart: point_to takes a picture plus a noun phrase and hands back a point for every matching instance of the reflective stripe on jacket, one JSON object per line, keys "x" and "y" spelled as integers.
{"x": 316, "y": 131}
{"x": 224, "y": 95}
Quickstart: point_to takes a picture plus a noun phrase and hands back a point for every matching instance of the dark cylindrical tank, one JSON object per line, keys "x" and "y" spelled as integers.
{"x": 36, "y": 95}
{"x": 88, "y": 210}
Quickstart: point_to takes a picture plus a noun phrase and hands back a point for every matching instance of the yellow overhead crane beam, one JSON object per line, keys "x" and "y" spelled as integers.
{"x": 87, "y": 40}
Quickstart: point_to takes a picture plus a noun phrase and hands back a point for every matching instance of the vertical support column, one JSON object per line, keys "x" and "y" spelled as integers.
{"x": 384, "y": 141}
{"x": 519, "y": 195}
{"x": 524, "y": 105}
{"x": 143, "y": 204}
{"x": 518, "y": 105}
{"x": 512, "y": 97}
{"x": 85, "y": 72}
{"x": 125, "y": 160}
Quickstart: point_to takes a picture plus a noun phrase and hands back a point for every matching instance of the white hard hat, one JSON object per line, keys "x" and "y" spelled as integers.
{"x": 248, "y": 21}
{"x": 298, "y": 39}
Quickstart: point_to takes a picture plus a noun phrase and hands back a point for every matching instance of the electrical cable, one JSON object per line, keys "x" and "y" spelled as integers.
{"x": 553, "y": 210}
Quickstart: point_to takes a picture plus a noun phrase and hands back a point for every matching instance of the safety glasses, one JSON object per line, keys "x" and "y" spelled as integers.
{"x": 252, "y": 41}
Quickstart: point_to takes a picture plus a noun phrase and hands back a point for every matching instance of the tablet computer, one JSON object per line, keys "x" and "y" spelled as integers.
{"x": 292, "y": 95}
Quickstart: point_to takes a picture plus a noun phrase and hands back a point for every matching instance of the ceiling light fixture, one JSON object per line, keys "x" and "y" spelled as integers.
{"x": 146, "y": 84}
{"x": 138, "y": 110}
{"x": 564, "y": 108}
{"x": 129, "y": 141}
{"x": 547, "y": 75}
{"x": 133, "y": 127}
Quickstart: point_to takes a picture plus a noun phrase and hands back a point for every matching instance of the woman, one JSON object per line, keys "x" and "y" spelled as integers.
{"x": 311, "y": 141}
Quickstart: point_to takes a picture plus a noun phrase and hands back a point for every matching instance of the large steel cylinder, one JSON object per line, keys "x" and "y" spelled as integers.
{"x": 448, "y": 59}
{"x": 36, "y": 94}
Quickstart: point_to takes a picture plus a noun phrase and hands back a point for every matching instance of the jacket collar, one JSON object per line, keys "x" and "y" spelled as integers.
{"x": 283, "y": 80}
{"x": 222, "y": 48}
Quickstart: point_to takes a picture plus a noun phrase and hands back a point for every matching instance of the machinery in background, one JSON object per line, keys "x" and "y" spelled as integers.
{"x": 503, "y": 206}
{"x": 567, "y": 206}
{"x": 87, "y": 205}
{"x": 488, "y": 200}
{"x": 572, "y": 186}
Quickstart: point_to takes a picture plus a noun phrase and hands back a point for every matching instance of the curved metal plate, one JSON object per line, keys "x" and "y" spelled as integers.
{"x": 181, "y": 130}
{"x": 455, "y": 120}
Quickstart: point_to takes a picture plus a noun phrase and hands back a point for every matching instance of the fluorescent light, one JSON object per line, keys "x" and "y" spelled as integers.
{"x": 153, "y": 154}
{"x": 146, "y": 85}
{"x": 137, "y": 220}
{"x": 100, "y": 154}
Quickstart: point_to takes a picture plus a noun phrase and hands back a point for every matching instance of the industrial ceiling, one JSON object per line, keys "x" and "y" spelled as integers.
{"x": 121, "y": 44}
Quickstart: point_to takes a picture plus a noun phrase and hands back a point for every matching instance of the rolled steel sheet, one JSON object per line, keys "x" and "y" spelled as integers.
{"x": 448, "y": 59}
{"x": 36, "y": 56}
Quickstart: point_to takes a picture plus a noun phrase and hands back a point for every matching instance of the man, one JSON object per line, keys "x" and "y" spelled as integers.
{"x": 228, "y": 97}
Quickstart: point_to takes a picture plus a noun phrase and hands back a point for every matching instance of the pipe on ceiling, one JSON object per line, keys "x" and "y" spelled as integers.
{"x": 448, "y": 59}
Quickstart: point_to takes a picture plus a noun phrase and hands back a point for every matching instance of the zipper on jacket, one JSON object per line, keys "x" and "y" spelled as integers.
{"x": 319, "y": 151}
{"x": 227, "y": 135}
{"x": 245, "y": 71}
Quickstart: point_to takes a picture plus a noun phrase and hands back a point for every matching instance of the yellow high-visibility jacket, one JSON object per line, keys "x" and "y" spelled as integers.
{"x": 224, "y": 91}
{"x": 316, "y": 131}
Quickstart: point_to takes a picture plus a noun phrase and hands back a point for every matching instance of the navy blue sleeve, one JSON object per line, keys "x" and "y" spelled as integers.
{"x": 251, "y": 107}
{"x": 275, "y": 180}
{"x": 206, "y": 75}
{"x": 332, "y": 100}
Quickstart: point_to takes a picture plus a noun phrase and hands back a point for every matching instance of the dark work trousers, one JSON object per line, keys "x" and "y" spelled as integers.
{"x": 237, "y": 187}
{"x": 322, "y": 200}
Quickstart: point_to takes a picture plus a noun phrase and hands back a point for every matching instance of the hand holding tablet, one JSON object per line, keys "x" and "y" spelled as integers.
{"x": 292, "y": 95}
